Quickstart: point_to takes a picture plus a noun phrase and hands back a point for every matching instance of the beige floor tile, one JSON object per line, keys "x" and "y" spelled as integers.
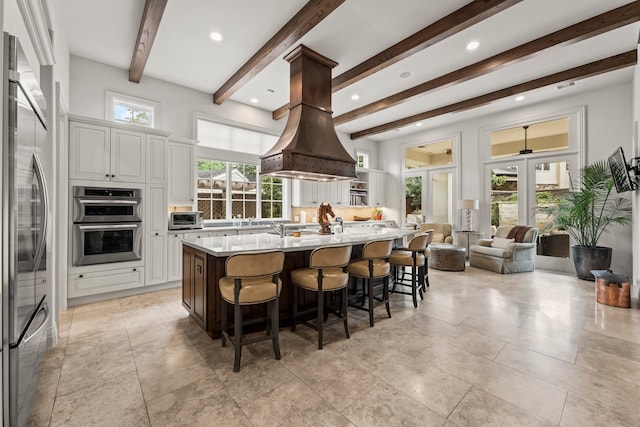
{"x": 582, "y": 412}
{"x": 45, "y": 397}
{"x": 610, "y": 365}
{"x": 337, "y": 380}
{"x": 201, "y": 403}
{"x": 525, "y": 391}
{"x": 386, "y": 406}
{"x": 142, "y": 301}
{"x": 253, "y": 380}
{"x": 294, "y": 404}
{"x": 118, "y": 400}
{"x": 479, "y": 408}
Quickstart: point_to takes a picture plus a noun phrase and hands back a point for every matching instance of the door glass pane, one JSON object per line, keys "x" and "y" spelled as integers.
{"x": 504, "y": 196}
{"x": 441, "y": 184}
{"x": 413, "y": 199}
{"x": 552, "y": 183}
{"x": 434, "y": 154}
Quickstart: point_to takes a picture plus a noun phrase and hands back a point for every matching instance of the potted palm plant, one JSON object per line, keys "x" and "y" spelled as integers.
{"x": 586, "y": 213}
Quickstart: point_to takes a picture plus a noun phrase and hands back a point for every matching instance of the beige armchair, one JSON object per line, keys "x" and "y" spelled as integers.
{"x": 441, "y": 232}
{"x": 502, "y": 256}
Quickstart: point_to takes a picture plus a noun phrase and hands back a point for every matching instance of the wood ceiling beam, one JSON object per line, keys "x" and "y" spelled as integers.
{"x": 151, "y": 16}
{"x": 582, "y": 72}
{"x": 308, "y": 17}
{"x": 461, "y": 19}
{"x": 597, "y": 25}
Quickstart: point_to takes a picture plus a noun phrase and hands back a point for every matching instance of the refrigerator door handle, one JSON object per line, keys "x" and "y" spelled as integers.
{"x": 44, "y": 308}
{"x": 44, "y": 210}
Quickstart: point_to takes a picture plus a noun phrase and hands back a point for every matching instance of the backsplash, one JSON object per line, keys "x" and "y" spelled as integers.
{"x": 347, "y": 213}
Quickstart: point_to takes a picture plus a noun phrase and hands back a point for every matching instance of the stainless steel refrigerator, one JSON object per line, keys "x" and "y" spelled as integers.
{"x": 25, "y": 309}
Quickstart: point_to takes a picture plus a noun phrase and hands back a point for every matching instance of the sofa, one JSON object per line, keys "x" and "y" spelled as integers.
{"x": 506, "y": 253}
{"x": 441, "y": 233}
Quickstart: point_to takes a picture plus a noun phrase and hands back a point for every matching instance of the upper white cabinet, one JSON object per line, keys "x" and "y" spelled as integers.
{"x": 182, "y": 163}
{"x": 100, "y": 150}
{"x": 377, "y": 188}
{"x": 156, "y": 165}
{"x": 127, "y": 156}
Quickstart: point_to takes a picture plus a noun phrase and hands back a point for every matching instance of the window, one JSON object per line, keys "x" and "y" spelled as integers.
{"x": 127, "y": 109}
{"x": 229, "y": 190}
{"x": 432, "y": 154}
{"x": 543, "y": 167}
{"x": 551, "y": 135}
{"x": 362, "y": 159}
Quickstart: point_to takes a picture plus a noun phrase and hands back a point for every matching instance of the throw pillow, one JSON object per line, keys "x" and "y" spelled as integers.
{"x": 499, "y": 242}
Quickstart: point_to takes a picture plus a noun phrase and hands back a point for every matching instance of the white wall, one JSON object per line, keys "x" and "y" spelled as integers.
{"x": 608, "y": 125}
{"x": 90, "y": 80}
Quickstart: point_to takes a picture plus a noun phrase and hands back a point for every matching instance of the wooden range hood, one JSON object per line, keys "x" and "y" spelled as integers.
{"x": 309, "y": 147}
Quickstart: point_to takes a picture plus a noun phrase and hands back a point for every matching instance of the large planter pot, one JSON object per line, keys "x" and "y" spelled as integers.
{"x": 587, "y": 258}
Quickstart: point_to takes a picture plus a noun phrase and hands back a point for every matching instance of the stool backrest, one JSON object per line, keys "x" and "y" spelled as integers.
{"x": 378, "y": 249}
{"x": 419, "y": 243}
{"x": 254, "y": 264}
{"x": 330, "y": 256}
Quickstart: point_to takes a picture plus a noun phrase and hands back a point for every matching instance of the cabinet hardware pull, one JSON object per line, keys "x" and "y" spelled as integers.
{"x": 81, "y": 276}
{"x": 156, "y": 234}
{"x": 199, "y": 268}
{"x": 113, "y": 176}
{"x": 107, "y": 175}
{"x": 135, "y": 269}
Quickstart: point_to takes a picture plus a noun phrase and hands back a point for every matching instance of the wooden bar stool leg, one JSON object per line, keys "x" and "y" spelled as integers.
{"x": 413, "y": 287}
{"x": 370, "y": 290}
{"x": 319, "y": 321}
{"x": 295, "y": 308}
{"x": 275, "y": 325}
{"x": 237, "y": 336}
{"x": 385, "y": 294}
{"x": 421, "y": 281}
{"x": 344, "y": 314}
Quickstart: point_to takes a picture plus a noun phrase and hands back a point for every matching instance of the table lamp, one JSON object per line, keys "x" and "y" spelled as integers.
{"x": 467, "y": 205}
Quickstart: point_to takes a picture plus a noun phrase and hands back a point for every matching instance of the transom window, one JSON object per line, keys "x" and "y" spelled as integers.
{"x": 127, "y": 109}
{"x": 362, "y": 159}
{"x": 432, "y": 154}
{"x": 551, "y": 135}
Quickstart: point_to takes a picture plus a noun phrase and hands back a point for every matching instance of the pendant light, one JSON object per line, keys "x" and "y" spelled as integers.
{"x": 526, "y": 150}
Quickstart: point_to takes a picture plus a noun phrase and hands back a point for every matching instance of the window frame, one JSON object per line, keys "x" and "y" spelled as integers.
{"x": 113, "y": 98}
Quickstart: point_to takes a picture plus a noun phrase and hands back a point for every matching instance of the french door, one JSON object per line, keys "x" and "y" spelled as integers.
{"x": 429, "y": 195}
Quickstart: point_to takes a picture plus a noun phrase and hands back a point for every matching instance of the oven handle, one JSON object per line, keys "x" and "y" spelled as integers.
{"x": 108, "y": 202}
{"x": 107, "y": 227}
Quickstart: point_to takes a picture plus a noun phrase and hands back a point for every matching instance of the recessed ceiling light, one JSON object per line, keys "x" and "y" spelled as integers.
{"x": 473, "y": 45}
{"x": 254, "y": 100}
{"x": 405, "y": 75}
{"x": 419, "y": 124}
{"x": 215, "y": 36}
{"x": 519, "y": 98}
{"x": 355, "y": 97}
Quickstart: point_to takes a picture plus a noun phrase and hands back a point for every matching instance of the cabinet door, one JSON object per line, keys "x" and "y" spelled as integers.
{"x": 174, "y": 257}
{"x": 199, "y": 288}
{"x": 309, "y": 193}
{"x": 156, "y": 163}
{"x": 338, "y": 193}
{"x": 377, "y": 188}
{"x": 155, "y": 208}
{"x": 187, "y": 279}
{"x": 89, "y": 152}
{"x": 127, "y": 156}
{"x": 181, "y": 174}
{"x": 155, "y": 259}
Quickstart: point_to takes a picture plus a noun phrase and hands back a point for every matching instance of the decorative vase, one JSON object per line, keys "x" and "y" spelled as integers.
{"x": 587, "y": 258}
{"x": 379, "y": 216}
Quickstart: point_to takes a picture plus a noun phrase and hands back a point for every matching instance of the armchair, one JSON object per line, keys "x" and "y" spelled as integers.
{"x": 502, "y": 256}
{"x": 441, "y": 233}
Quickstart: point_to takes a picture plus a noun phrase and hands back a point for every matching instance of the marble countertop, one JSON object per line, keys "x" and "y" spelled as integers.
{"x": 229, "y": 245}
{"x": 288, "y": 225}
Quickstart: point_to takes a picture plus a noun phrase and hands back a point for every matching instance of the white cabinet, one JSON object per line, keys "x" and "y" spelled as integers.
{"x": 182, "y": 176}
{"x": 89, "y": 152}
{"x": 127, "y": 156}
{"x": 337, "y": 193}
{"x": 312, "y": 193}
{"x": 155, "y": 200}
{"x": 377, "y": 188}
{"x": 174, "y": 256}
{"x": 96, "y": 282}
{"x": 156, "y": 164}
{"x": 359, "y": 191}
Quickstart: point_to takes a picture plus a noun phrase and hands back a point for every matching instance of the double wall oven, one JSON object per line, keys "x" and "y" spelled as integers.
{"x": 107, "y": 225}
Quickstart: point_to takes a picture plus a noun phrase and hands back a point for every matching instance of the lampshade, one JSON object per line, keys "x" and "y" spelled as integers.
{"x": 468, "y": 204}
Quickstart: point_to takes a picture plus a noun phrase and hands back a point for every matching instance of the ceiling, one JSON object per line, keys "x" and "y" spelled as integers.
{"x": 183, "y": 53}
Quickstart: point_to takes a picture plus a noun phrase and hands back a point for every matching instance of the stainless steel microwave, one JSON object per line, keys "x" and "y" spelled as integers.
{"x": 185, "y": 220}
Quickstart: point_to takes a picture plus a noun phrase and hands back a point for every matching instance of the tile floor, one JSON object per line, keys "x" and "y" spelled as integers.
{"x": 530, "y": 349}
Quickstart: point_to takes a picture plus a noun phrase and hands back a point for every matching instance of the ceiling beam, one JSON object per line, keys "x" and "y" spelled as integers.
{"x": 461, "y": 19}
{"x": 597, "y": 25}
{"x": 582, "y": 72}
{"x": 308, "y": 17}
{"x": 151, "y": 16}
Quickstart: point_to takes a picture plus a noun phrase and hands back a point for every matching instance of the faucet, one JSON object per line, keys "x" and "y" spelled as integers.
{"x": 278, "y": 228}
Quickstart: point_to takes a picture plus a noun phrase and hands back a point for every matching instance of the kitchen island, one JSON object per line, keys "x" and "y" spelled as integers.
{"x": 203, "y": 264}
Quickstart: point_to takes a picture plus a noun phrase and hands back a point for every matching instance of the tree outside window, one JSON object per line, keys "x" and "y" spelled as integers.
{"x": 271, "y": 197}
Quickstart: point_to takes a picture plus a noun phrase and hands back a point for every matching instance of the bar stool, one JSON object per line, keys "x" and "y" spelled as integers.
{"x": 251, "y": 278}
{"x": 413, "y": 256}
{"x": 325, "y": 274}
{"x": 371, "y": 268}
{"x": 427, "y": 251}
